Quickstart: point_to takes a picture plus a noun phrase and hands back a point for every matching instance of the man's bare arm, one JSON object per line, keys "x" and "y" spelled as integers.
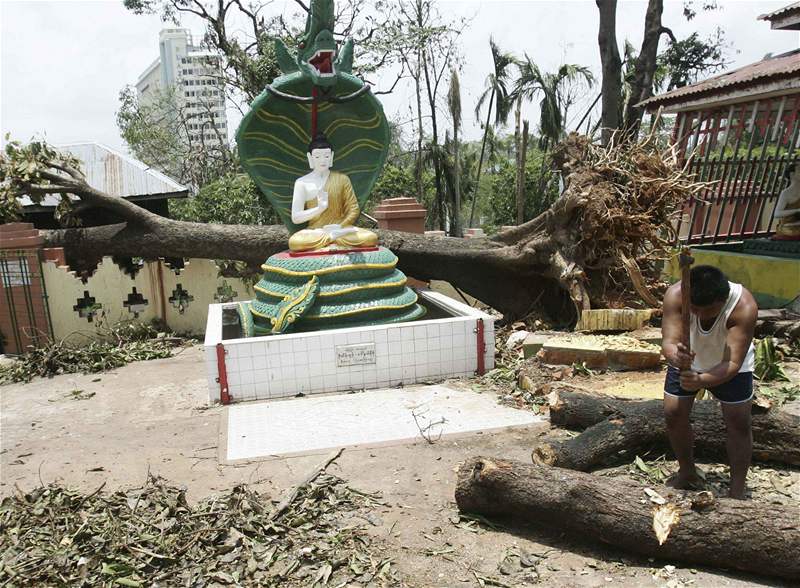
{"x": 671, "y": 346}
{"x": 741, "y": 327}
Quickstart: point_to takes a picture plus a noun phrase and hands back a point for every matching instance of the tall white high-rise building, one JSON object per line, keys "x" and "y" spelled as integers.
{"x": 195, "y": 75}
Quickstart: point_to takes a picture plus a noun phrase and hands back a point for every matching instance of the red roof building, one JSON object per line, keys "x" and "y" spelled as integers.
{"x": 738, "y": 130}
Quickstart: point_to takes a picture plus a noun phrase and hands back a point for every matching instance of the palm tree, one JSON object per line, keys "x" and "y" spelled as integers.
{"x": 498, "y": 94}
{"x": 554, "y": 89}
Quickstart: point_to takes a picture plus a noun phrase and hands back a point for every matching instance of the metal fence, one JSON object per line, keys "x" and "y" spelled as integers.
{"x": 24, "y": 313}
{"x": 743, "y": 152}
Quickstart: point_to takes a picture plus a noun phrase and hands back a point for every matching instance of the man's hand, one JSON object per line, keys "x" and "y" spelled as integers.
{"x": 691, "y": 381}
{"x": 682, "y": 359}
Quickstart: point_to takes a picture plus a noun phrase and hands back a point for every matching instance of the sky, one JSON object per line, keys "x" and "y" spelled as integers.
{"x": 64, "y": 62}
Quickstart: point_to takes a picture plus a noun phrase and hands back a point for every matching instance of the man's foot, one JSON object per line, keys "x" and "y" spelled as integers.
{"x": 685, "y": 481}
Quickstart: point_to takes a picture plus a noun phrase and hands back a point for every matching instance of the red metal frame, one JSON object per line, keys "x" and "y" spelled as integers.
{"x": 314, "y": 112}
{"x": 224, "y": 396}
{"x": 481, "y": 344}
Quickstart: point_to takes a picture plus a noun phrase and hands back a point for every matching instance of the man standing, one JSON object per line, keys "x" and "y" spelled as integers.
{"x": 722, "y": 322}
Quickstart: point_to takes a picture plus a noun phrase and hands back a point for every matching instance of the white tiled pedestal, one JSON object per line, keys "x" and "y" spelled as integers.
{"x": 279, "y": 366}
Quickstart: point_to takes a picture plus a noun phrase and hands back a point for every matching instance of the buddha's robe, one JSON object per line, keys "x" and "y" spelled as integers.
{"x": 342, "y": 210}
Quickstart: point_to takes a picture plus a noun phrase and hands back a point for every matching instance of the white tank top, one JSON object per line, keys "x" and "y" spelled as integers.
{"x": 709, "y": 346}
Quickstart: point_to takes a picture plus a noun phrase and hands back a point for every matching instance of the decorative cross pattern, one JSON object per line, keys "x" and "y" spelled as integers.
{"x": 135, "y": 303}
{"x": 86, "y": 307}
{"x": 180, "y": 298}
{"x": 129, "y": 265}
{"x": 225, "y": 293}
{"x": 176, "y": 264}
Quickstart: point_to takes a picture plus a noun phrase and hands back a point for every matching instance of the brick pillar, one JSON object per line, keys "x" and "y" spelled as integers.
{"x": 24, "y": 318}
{"x": 401, "y": 214}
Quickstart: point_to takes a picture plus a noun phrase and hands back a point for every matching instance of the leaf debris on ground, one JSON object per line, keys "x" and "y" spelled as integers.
{"x": 151, "y": 536}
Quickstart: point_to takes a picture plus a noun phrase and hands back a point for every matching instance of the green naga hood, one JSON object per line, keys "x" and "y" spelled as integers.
{"x": 275, "y": 133}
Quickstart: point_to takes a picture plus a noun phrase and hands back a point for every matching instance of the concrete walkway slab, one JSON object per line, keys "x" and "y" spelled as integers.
{"x": 316, "y": 424}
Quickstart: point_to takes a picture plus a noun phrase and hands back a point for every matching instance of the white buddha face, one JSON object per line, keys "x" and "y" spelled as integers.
{"x": 320, "y": 160}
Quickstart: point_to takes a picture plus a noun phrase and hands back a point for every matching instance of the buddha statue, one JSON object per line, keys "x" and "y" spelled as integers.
{"x": 787, "y": 209}
{"x": 325, "y": 200}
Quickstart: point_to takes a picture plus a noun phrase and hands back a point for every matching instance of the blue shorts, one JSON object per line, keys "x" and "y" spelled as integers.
{"x": 737, "y": 389}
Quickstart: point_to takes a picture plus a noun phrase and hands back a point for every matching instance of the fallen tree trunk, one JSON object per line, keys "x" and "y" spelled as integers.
{"x": 722, "y": 532}
{"x": 598, "y": 244}
{"x": 616, "y": 429}
{"x": 503, "y": 276}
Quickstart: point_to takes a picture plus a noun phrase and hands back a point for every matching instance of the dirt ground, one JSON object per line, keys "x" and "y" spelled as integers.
{"x": 114, "y": 428}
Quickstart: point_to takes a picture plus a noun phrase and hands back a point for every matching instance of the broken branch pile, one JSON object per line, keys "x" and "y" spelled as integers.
{"x": 696, "y": 528}
{"x": 121, "y": 344}
{"x": 151, "y": 536}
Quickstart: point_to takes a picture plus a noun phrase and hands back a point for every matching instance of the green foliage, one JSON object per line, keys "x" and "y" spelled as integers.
{"x": 157, "y": 134}
{"x": 232, "y": 199}
{"x": 395, "y": 181}
{"x": 768, "y": 360}
{"x": 500, "y": 205}
{"x": 685, "y": 61}
{"x": 780, "y": 395}
{"x": 32, "y": 170}
{"x": 554, "y": 89}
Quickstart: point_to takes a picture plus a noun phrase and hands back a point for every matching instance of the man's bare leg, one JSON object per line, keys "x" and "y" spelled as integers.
{"x": 681, "y": 437}
{"x": 739, "y": 443}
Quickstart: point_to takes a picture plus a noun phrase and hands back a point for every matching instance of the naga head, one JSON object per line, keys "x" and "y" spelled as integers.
{"x": 318, "y": 59}
{"x": 318, "y": 56}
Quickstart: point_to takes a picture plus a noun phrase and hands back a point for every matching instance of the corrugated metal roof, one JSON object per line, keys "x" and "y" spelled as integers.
{"x": 779, "y": 66}
{"x": 794, "y": 7}
{"x": 117, "y": 174}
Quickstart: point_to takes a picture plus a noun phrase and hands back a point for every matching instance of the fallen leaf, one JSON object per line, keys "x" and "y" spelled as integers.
{"x": 654, "y": 496}
{"x": 665, "y": 517}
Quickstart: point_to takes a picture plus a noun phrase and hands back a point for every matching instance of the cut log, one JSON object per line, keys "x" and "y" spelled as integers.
{"x": 720, "y": 532}
{"x": 615, "y": 429}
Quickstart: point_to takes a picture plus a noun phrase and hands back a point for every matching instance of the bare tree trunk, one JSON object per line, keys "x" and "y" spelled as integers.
{"x": 419, "y": 175}
{"x": 523, "y": 157}
{"x": 480, "y": 161}
{"x": 517, "y": 159}
{"x": 457, "y": 186}
{"x": 645, "y": 67}
{"x": 755, "y": 537}
{"x": 611, "y": 86}
{"x": 434, "y": 128}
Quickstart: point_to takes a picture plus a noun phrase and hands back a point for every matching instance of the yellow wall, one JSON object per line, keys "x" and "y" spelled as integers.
{"x": 110, "y": 287}
{"x": 774, "y": 281}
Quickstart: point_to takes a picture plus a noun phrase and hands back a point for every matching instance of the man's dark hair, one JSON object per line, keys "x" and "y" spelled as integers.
{"x": 790, "y": 169}
{"x": 709, "y": 285}
{"x": 319, "y": 141}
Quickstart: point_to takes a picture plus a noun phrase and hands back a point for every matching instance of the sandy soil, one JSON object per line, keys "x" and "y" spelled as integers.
{"x": 152, "y": 416}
